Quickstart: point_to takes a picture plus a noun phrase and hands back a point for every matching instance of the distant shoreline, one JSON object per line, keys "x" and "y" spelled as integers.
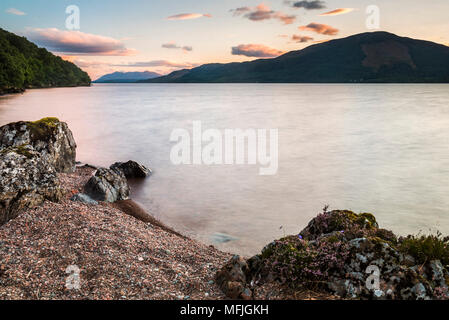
{"x": 4, "y": 92}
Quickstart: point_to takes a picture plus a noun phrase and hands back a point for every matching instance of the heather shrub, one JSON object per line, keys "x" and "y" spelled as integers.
{"x": 298, "y": 262}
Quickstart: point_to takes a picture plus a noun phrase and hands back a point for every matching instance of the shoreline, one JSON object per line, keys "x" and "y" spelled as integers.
{"x": 8, "y": 91}
{"x": 109, "y": 245}
{"x": 123, "y": 253}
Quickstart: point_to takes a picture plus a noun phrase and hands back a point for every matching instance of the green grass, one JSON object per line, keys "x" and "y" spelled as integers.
{"x": 425, "y": 248}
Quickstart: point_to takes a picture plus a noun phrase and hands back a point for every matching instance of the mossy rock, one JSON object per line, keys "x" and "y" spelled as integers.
{"x": 367, "y": 218}
{"x": 352, "y": 224}
{"x": 43, "y": 129}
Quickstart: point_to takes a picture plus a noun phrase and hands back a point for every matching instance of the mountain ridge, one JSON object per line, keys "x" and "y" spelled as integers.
{"x": 126, "y": 77}
{"x": 374, "y": 57}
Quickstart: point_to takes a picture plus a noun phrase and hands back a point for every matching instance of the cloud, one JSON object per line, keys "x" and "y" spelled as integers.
{"x": 308, "y": 5}
{"x": 337, "y": 12}
{"x": 15, "y": 11}
{"x": 189, "y": 16}
{"x": 255, "y": 50}
{"x": 320, "y": 28}
{"x": 240, "y": 11}
{"x": 158, "y": 63}
{"x": 301, "y": 39}
{"x": 78, "y": 43}
{"x": 85, "y": 63}
{"x": 263, "y": 12}
{"x": 172, "y": 45}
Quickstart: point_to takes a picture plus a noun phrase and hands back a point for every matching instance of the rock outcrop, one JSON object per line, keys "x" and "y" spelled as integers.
{"x": 348, "y": 255}
{"x": 49, "y": 137}
{"x": 31, "y": 155}
{"x": 107, "y": 185}
{"x": 132, "y": 169}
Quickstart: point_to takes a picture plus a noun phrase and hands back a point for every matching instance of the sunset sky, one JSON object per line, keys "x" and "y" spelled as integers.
{"x": 166, "y": 35}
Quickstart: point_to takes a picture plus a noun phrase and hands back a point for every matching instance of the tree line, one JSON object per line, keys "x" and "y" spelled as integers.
{"x": 24, "y": 65}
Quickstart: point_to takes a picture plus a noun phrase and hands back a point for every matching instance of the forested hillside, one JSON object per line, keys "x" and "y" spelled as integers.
{"x": 24, "y": 65}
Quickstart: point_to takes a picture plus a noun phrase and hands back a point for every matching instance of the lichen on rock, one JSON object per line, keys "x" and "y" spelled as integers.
{"x": 31, "y": 155}
{"x": 26, "y": 180}
{"x": 48, "y": 136}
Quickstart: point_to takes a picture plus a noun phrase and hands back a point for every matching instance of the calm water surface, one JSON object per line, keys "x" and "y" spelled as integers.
{"x": 371, "y": 148}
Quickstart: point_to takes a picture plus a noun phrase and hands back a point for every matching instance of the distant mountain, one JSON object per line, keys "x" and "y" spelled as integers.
{"x": 377, "y": 57}
{"x": 126, "y": 77}
{"x": 24, "y": 65}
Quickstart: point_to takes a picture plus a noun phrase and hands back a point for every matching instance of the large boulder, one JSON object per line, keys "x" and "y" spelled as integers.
{"x": 26, "y": 180}
{"x": 51, "y": 138}
{"x": 107, "y": 185}
{"x": 131, "y": 169}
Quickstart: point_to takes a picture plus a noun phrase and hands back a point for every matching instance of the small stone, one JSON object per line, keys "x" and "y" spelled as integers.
{"x": 246, "y": 294}
{"x": 378, "y": 293}
{"x": 83, "y": 198}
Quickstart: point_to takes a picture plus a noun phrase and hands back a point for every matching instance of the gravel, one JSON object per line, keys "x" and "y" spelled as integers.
{"x": 118, "y": 256}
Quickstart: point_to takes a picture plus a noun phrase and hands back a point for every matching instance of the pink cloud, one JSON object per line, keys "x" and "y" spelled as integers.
{"x": 78, "y": 43}
{"x": 255, "y": 50}
{"x": 158, "y": 63}
{"x": 263, "y": 12}
{"x": 320, "y": 28}
{"x": 189, "y": 16}
{"x": 301, "y": 39}
{"x": 337, "y": 12}
{"x": 173, "y": 45}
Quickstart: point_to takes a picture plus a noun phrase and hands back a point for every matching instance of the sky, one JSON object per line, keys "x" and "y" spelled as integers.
{"x": 167, "y": 35}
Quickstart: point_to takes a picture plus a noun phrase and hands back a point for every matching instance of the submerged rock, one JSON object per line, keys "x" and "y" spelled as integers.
{"x": 51, "y": 138}
{"x": 26, "y": 180}
{"x": 131, "y": 169}
{"x": 222, "y": 237}
{"x": 107, "y": 185}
